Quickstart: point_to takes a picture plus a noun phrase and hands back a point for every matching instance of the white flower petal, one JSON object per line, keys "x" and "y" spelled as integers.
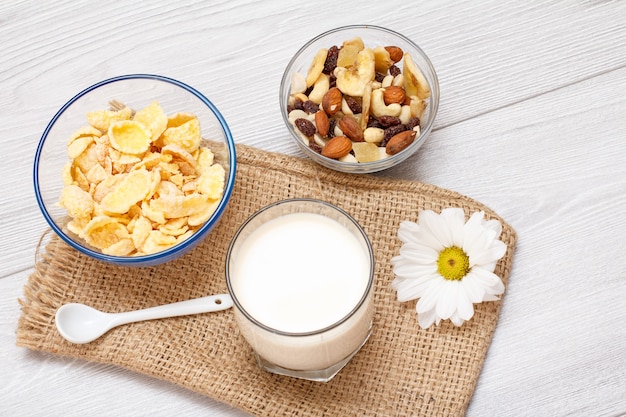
{"x": 457, "y": 320}
{"x": 407, "y": 231}
{"x": 447, "y": 299}
{"x": 489, "y": 297}
{"x": 419, "y": 253}
{"x": 427, "y": 238}
{"x": 413, "y": 270}
{"x": 415, "y": 267}
{"x": 437, "y": 226}
{"x": 465, "y": 308}
{"x": 489, "y": 281}
{"x": 494, "y": 225}
{"x": 411, "y": 289}
{"x": 427, "y": 318}
{"x": 455, "y": 218}
{"x": 474, "y": 290}
{"x": 429, "y": 300}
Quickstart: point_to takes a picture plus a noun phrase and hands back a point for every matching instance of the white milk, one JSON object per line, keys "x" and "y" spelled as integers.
{"x": 299, "y": 273}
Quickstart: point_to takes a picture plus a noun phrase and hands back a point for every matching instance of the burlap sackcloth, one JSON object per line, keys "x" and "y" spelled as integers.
{"x": 401, "y": 371}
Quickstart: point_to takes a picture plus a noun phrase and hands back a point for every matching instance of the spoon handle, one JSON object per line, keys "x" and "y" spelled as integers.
{"x": 207, "y": 304}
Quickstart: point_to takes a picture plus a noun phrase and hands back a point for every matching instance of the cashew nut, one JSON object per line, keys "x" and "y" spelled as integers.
{"x": 405, "y": 114}
{"x": 379, "y": 108}
{"x": 373, "y": 134}
{"x": 345, "y": 108}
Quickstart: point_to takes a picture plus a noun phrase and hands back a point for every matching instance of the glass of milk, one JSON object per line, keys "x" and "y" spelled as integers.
{"x": 301, "y": 274}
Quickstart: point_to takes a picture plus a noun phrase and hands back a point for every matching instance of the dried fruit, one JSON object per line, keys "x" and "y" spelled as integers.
{"x": 400, "y": 142}
{"x": 337, "y": 147}
{"x": 382, "y": 60}
{"x": 352, "y": 80}
{"x": 367, "y": 100}
{"x": 415, "y": 83}
{"x": 365, "y": 152}
{"x": 305, "y": 126}
{"x": 317, "y": 65}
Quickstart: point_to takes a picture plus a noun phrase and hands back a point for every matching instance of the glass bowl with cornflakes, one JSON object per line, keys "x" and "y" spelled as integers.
{"x": 135, "y": 170}
{"x": 360, "y": 98}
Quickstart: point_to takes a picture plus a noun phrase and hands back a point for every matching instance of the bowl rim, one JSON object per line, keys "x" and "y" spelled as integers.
{"x": 153, "y": 258}
{"x": 362, "y": 167}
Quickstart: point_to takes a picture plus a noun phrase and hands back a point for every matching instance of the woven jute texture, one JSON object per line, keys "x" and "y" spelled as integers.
{"x": 401, "y": 371}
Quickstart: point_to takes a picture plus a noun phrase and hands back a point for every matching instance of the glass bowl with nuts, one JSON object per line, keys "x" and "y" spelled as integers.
{"x": 359, "y": 99}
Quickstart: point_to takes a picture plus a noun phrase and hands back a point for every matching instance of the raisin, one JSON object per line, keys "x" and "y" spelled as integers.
{"x": 331, "y": 127}
{"x": 315, "y": 147}
{"x": 297, "y": 104}
{"x": 354, "y": 105}
{"x": 387, "y": 121}
{"x": 379, "y": 76}
{"x": 332, "y": 80}
{"x": 373, "y": 122}
{"x": 306, "y": 127}
{"x": 331, "y": 60}
{"x": 391, "y": 132}
{"x": 413, "y": 121}
{"x": 394, "y": 70}
{"x": 310, "y": 107}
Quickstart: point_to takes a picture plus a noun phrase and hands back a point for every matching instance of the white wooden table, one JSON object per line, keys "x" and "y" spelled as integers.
{"x": 532, "y": 123}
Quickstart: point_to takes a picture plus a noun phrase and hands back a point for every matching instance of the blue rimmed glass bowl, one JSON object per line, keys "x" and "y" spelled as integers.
{"x": 136, "y": 91}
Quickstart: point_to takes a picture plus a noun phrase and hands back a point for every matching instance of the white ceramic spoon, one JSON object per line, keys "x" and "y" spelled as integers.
{"x": 80, "y": 324}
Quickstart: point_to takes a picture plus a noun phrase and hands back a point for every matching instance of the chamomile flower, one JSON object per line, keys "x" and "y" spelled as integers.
{"x": 448, "y": 264}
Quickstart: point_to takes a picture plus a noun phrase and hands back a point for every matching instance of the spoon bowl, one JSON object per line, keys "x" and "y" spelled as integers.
{"x": 79, "y": 323}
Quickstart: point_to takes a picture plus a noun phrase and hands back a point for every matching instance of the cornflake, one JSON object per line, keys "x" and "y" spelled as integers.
{"x": 139, "y": 182}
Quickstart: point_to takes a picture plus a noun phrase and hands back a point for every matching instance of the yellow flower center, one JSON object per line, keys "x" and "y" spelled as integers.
{"x": 453, "y": 263}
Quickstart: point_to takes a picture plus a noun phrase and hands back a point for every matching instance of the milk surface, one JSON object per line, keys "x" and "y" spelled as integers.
{"x": 300, "y": 272}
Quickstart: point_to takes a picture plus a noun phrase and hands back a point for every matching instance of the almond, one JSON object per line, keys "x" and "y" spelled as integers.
{"x": 394, "y": 94}
{"x": 400, "y": 141}
{"x": 331, "y": 102}
{"x": 351, "y": 128}
{"x": 395, "y": 53}
{"x": 337, "y": 147}
{"x": 322, "y": 123}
